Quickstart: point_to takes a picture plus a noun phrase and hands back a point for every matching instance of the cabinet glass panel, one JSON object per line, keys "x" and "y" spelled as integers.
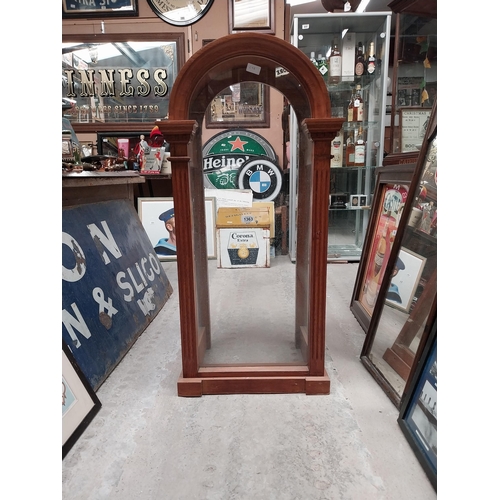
{"x": 351, "y": 52}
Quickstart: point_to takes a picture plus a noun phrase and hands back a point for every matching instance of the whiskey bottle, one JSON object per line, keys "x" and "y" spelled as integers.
{"x": 358, "y": 105}
{"x": 350, "y": 107}
{"x": 349, "y": 149}
{"x": 337, "y": 150}
{"x": 372, "y": 61}
{"x": 359, "y": 149}
{"x": 335, "y": 72}
{"x": 360, "y": 68}
{"x": 323, "y": 67}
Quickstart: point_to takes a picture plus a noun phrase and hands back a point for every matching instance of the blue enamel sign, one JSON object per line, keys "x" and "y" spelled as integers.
{"x": 113, "y": 284}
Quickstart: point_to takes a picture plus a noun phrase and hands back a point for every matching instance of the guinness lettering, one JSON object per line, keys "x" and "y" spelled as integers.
{"x": 108, "y": 84}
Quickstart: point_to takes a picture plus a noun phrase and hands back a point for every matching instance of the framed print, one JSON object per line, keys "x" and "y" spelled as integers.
{"x": 243, "y": 104}
{"x": 79, "y": 401}
{"x": 418, "y": 416}
{"x": 99, "y": 8}
{"x": 251, "y": 15}
{"x": 158, "y": 218}
{"x": 389, "y": 199}
{"x": 95, "y": 72}
{"x": 413, "y": 125}
{"x": 405, "y": 279}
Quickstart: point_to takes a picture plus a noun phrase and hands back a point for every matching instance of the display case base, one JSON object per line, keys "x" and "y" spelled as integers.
{"x": 309, "y": 385}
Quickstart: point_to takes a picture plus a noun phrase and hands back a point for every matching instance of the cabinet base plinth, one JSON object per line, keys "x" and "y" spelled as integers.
{"x": 309, "y": 385}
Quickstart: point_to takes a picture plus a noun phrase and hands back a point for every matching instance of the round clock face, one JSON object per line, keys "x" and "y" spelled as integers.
{"x": 180, "y": 12}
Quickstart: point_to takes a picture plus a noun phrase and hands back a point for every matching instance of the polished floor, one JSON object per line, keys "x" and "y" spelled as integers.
{"x": 146, "y": 443}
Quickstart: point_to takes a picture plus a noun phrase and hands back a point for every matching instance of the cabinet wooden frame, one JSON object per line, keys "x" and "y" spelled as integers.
{"x": 208, "y": 71}
{"x": 428, "y": 305}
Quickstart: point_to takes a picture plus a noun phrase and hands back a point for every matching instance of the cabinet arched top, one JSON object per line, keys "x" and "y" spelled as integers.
{"x": 248, "y": 57}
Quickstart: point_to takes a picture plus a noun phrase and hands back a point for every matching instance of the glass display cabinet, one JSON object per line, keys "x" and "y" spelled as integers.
{"x": 233, "y": 349}
{"x": 414, "y": 75}
{"x": 406, "y": 305}
{"x": 350, "y": 51}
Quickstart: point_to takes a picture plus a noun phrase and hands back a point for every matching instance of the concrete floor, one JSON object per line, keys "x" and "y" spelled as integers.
{"x": 146, "y": 443}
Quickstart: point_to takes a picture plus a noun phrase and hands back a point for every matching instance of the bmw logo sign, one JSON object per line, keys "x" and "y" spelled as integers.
{"x": 262, "y": 176}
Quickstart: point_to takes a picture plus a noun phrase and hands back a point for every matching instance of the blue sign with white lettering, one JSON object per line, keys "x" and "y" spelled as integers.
{"x": 113, "y": 284}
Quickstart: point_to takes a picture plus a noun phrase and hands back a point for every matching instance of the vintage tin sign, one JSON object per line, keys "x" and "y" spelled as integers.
{"x": 226, "y": 152}
{"x": 113, "y": 284}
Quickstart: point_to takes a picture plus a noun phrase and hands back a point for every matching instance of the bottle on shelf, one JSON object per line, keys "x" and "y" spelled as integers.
{"x": 360, "y": 67}
{"x": 371, "y": 65}
{"x": 313, "y": 59}
{"x": 359, "y": 149}
{"x": 358, "y": 105}
{"x": 335, "y": 72}
{"x": 337, "y": 150}
{"x": 349, "y": 149}
{"x": 323, "y": 66}
{"x": 350, "y": 107}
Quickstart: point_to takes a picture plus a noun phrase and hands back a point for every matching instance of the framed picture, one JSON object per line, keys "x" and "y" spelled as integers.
{"x": 92, "y": 81}
{"x": 389, "y": 199}
{"x": 405, "y": 279}
{"x": 243, "y": 104}
{"x": 79, "y": 401}
{"x": 413, "y": 125}
{"x": 251, "y": 15}
{"x": 123, "y": 8}
{"x": 156, "y": 215}
{"x": 418, "y": 415}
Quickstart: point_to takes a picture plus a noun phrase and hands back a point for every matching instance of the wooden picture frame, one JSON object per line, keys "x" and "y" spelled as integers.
{"x": 251, "y": 15}
{"x": 83, "y": 10}
{"x": 80, "y": 403}
{"x": 413, "y": 122}
{"x": 149, "y": 210}
{"x": 391, "y": 188}
{"x": 418, "y": 414}
{"x": 404, "y": 283}
{"x": 243, "y": 105}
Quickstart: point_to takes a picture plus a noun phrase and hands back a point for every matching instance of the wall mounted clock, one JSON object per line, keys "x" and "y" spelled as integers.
{"x": 180, "y": 12}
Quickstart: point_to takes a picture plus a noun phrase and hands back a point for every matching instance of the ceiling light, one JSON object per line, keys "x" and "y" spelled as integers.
{"x": 362, "y": 6}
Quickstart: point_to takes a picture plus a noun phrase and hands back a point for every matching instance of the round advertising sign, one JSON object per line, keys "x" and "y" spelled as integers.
{"x": 226, "y": 152}
{"x": 262, "y": 176}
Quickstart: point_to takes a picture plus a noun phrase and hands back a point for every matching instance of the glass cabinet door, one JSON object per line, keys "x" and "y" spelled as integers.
{"x": 351, "y": 52}
{"x": 414, "y": 86}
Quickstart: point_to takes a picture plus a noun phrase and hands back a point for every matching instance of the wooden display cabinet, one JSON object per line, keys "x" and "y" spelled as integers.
{"x": 228, "y": 60}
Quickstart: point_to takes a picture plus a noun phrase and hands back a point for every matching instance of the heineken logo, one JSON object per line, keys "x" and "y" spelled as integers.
{"x": 263, "y": 177}
{"x": 226, "y": 152}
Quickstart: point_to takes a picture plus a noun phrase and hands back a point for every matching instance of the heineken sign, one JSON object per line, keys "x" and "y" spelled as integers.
{"x": 225, "y": 154}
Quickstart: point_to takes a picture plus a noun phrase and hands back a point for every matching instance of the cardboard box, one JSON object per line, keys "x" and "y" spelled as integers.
{"x": 348, "y": 56}
{"x": 243, "y": 237}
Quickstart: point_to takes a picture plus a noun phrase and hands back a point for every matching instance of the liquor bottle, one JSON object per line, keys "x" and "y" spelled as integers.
{"x": 337, "y": 150}
{"x": 360, "y": 68}
{"x": 372, "y": 61}
{"x": 350, "y": 107}
{"x": 323, "y": 67}
{"x": 349, "y": 149}
{"x": 359, "y": 149}
{"x": 358, "y": 106}
{"x": 313, "y": 59}
{"x": 335, "y": 74}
